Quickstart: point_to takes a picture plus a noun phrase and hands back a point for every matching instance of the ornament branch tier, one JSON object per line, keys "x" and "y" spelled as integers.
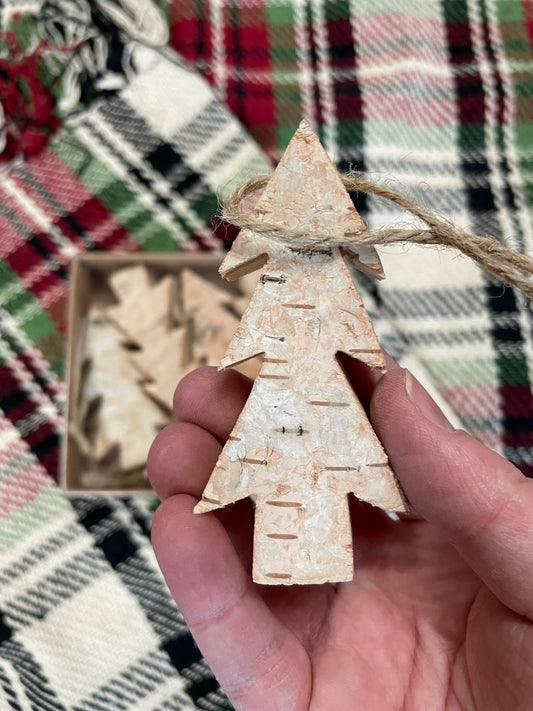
{"x": 303, "y": 441}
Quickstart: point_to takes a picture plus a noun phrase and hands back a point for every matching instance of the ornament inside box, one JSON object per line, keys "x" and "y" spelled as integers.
{"x": 137, "y": 324}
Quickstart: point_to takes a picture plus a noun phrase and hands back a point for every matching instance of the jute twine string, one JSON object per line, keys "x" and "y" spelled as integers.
{"x": 509, "y": 266}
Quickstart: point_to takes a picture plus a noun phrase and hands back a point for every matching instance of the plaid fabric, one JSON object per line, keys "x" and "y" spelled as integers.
{"x": 434, "y": 96}
{"x": 86, "y": 621}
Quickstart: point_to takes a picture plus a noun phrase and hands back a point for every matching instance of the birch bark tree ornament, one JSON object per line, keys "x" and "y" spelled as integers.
{"x": 303, "y": 441}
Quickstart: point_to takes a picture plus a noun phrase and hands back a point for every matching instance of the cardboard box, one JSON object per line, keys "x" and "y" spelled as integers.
{"x": 89, "y": 287}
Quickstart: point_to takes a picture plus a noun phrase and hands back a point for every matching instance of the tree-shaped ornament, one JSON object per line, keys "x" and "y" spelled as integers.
{"x": 303, "y": 442}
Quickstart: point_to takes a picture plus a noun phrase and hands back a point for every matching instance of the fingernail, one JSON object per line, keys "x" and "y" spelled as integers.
{"x": 425, "y": 404}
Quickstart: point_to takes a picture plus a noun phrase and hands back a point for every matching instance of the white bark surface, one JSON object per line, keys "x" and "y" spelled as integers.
{"x": 302, "y": 442}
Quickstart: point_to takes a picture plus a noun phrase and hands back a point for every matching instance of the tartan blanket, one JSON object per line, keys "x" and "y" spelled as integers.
{"x": 120, "y": 124}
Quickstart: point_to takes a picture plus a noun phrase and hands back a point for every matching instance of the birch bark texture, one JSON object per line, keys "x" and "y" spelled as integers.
{"x": 303, "y": 442}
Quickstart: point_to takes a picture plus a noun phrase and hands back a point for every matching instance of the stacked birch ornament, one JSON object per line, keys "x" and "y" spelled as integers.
{"x": 145, "y": 328}
{"x": 303, "y": 442}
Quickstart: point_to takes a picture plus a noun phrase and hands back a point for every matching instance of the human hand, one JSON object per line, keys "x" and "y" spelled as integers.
{"x": 439, "y": 613}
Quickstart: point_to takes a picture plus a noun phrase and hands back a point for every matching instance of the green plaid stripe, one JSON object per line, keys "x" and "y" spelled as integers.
{"x": 517, "y": 43}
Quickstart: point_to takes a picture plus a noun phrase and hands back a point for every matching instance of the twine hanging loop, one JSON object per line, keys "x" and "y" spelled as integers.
{"x": 512, "y": 267}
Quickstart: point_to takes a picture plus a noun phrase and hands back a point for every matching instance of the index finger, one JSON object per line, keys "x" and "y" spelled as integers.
{"x": 182, "y": 456}
{"x": 212, "y": 399}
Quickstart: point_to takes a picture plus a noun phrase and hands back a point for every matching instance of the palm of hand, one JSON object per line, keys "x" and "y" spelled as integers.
{"x": 415, "y": 630}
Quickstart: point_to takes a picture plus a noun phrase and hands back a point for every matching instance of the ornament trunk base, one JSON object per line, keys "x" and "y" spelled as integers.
{"x": 304, "y": 540}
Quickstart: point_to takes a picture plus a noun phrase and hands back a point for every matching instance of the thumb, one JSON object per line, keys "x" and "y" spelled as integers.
{"x": 473, "y": 495}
